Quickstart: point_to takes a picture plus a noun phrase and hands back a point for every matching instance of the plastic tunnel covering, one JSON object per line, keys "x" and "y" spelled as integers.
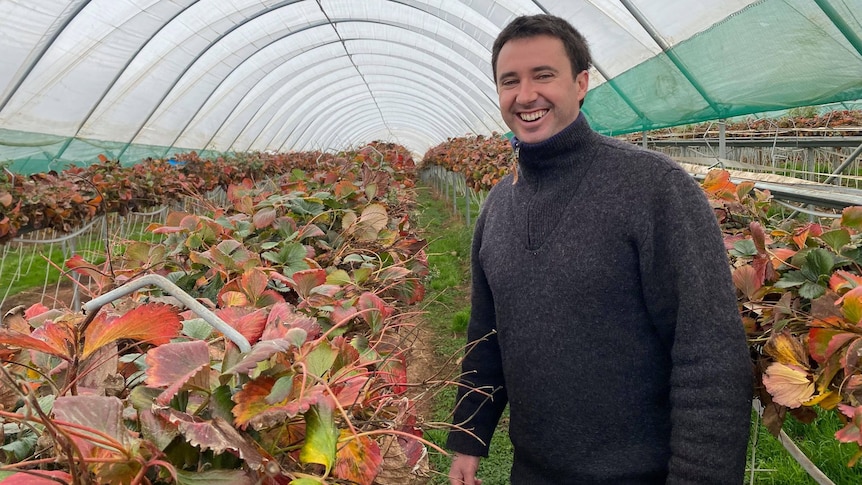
{"x": 148, "y": 78}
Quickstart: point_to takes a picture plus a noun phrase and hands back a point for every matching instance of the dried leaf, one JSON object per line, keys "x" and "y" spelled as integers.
{"x": 786, "y": 349}
{"x": 214, "y": 477}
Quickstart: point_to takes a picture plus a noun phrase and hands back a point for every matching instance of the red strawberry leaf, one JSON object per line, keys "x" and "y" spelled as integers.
{"x": 283, "y": 317}
{"x": 37, "y": 477}
{"x": 172, "y": 365}
{"x": 264, "y": 217}
{"x": 217, "y": 435}
{"x": 374, "y": 310}
{"x": 153, "y": 323}
{"x": 247, "y": 321}
{"x": 99, "y": 413}
{"x": 304, "y": 281}
{"x": 264, "y": 350}
{"x": 51, "y": 342}
{"x": 824, "y": 342}
{"x": 253, "y": 409}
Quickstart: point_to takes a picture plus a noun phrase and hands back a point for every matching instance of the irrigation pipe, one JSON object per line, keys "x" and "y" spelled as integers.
{"x": 803, "y": 460}
{"x": 170, "y": 288}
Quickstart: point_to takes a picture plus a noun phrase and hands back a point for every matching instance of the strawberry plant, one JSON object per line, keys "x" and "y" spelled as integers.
{"x": 801, "y": 302}
{"x": 317, "y": 269}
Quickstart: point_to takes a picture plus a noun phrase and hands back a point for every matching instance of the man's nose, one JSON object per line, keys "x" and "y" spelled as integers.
{"x": 526, "y": 93}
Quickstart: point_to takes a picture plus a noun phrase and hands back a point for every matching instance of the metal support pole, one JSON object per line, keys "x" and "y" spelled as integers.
{"x": 644, "y": 138}
{"x": 810, "y": 159}
{"x": 454, "y": 178}
{"x": 722, "y": 139}
{"x": 846, "y": 163}
{"x": 170, "y": 288}
{"x": 76, "y": 278}
{"x": 466, "y": 201}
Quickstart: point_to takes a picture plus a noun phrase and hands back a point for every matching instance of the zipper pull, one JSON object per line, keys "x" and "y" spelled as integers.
{"x": 515, "y": 161}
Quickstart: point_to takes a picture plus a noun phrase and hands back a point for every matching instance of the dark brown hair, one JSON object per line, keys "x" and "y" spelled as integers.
{"x": 535, "y": 25}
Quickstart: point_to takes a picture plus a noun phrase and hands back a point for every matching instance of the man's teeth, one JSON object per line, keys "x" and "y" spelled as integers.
{"x": 534, "y": 115}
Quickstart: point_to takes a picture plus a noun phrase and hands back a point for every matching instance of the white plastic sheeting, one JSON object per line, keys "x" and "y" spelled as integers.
{"x": 238, "y": 75}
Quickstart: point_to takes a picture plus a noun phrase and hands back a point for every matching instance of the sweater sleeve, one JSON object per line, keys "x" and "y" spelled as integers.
{"x": 691, "y": 299}
{"x": 482, "y": 372}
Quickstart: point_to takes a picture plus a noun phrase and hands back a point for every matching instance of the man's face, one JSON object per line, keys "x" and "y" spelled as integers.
{"x": 538, "y": 95}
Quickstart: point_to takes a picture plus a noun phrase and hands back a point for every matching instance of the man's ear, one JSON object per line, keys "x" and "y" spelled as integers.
{"x": 582, "y": 80}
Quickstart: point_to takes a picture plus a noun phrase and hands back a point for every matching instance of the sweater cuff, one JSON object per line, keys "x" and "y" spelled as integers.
{"x": 463, "y": 443}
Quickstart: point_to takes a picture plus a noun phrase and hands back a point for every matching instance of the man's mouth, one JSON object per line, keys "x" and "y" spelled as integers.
{"x": 533, "y": 115}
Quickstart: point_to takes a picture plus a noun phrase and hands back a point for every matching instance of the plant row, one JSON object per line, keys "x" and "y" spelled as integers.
{"x": 66, "y": 200}
{"x": 317, "y": 268}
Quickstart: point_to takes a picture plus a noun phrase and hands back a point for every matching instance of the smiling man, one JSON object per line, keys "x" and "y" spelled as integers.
{"x": 603, "y": 311}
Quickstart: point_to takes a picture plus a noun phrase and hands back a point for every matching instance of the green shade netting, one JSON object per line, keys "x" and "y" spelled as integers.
{"x": 787, "y": 53}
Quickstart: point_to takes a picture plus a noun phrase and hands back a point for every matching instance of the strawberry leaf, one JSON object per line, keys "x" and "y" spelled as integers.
{"x": 214, "y": 477}
{"x": 51, "y": 342}
{"x": 358, "y": 459}
{"x": 38, "y": 477}
{"x": 264, "y": 217}
{"x": 374, "y": 310}
{"x": 153, "y": 323}
{"x": 824, "y": 342}
{"x": 248, "y": 322}
{"x": 320, "y": 359}
{"x": 304, "y": 281}
{"x": 217, "y": 435}
{"x": 260, "y": 352}
{"x": 321, "y": 436}
{"x": 789, "y": 385}
{"x": 746, "y": 279}
{"x": 253, "y": 409}
{"x": 852, "y": 217}
{"x": 173, "y": 365}
{"x": 99, "y": 413}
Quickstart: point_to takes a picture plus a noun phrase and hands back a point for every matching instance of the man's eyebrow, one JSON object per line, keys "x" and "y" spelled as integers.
{"x": 533, "y": 70}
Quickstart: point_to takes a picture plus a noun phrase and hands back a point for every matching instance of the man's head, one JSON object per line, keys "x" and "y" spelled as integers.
{"x": 540, "y": 65}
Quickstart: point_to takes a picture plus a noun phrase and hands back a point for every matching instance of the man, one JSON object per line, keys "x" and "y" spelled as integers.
{"x": 603, "y": 311}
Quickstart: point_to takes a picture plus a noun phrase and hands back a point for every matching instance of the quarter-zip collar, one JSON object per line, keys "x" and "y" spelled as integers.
{"x": 557, "y": 154}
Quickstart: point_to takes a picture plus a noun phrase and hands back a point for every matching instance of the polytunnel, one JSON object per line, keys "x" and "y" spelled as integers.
{"x": 148, "y": 78}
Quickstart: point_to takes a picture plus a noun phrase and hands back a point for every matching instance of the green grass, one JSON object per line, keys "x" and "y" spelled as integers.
{"x": 28, "y": 268}
{"x": 818, "y": 443}
{"x": 448, "y": 308}
{"x": 447, "y": 312}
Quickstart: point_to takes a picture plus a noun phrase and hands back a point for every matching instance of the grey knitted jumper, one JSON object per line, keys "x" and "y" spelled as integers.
{"x": 602, "y": 290}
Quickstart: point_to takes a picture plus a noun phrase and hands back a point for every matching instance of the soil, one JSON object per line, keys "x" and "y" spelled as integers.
{"x": 61, "y": 299}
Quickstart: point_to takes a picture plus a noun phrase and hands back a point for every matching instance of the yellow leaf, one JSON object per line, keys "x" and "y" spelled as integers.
{"x": 786, "y": 349}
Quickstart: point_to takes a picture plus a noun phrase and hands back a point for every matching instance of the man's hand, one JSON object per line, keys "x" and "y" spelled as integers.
{"x": 463, "y": 470}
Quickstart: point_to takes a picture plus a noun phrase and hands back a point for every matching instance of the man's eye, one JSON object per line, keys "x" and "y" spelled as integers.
{"x": 508, "y": 82}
